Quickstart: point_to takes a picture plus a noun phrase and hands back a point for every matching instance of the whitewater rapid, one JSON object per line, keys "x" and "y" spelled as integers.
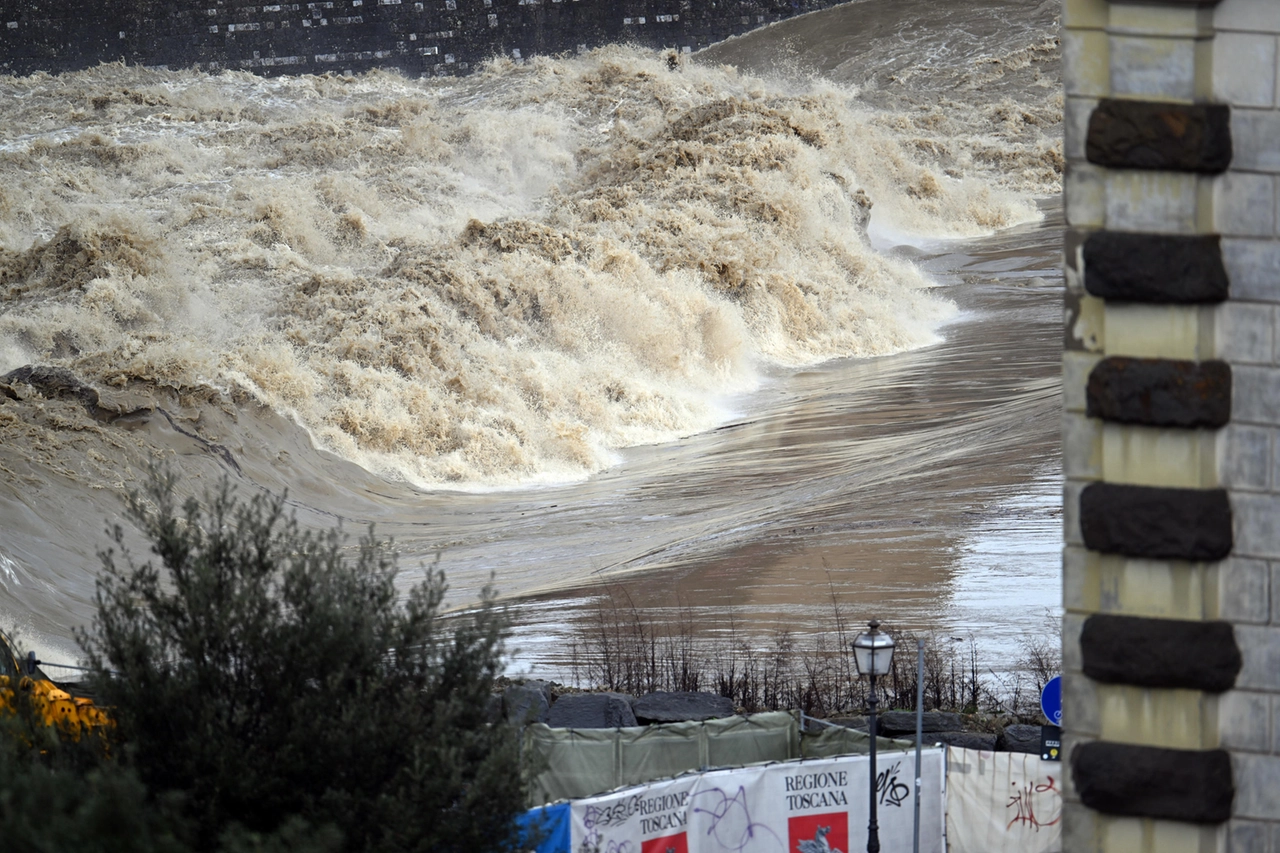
{"x": 394, "y": 297}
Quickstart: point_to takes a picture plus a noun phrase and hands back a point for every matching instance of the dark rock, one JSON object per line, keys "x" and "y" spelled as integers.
{"x": 678, "y": 707}
{"x": 850, "y": 722}
{"x": 53, "y": 383}
{"x": 1160, "y": 392}
{"x": 1169, "y": 653}
{"x": 1019, "y": 738}
{"x": 1129, "y": 134}
{"x": 592, "y": 711}
{"x": 1160, "y": 268}
{"x": 894, "y": 723}
{"x": 529, "y": 702}
{"x": 816, "y": 726}
{"x": 1156, "y": 523}
{"x": 1145, "y": 781}
{"x": 493, "y": 708}
{"x": 968, "y": 740}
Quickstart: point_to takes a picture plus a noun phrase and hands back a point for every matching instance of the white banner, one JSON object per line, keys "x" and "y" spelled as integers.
{"x": 810, "y": 806}
{"x": 1003, "y": 801}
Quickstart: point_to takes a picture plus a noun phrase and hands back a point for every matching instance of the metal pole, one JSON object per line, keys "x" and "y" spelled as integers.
{"x": 915, "y": 844}
{"x": 873, "y": 830}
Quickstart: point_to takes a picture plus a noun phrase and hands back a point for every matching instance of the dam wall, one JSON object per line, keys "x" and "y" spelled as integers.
{"x": 418, "y": 37}
{"x": 1171, "y": 443}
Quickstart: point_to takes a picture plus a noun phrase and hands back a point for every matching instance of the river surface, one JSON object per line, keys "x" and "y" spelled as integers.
{"x": 751, "y": 337}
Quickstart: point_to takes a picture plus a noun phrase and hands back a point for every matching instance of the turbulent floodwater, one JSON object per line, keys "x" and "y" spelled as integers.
{"x": 741, "y": 331}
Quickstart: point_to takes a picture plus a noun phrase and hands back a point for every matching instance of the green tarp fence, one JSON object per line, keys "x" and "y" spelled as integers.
{"x": 573, "y": 763}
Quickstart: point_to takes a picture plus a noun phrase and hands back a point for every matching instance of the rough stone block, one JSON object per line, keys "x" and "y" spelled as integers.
{"x": 678, "y": 707}
{"x": 1154, "y": 67}
{"x": 591, "y": 711}
{"x": 1161, "y": 268}
{"x": 1240, "y": 65}
{"x": 1141, "y": 781}
{"x": 1253, "y": 136}
{"x": 1257, "y": 781}
{"x": 894, "y": 723}
{"x": 1253, "y": 267}
{"x": 1160, "y": 392}
{"x": 1130, "y": 134}
{"x": 1244, "y": 205}
{"x": 1165, "y": 653}
{"x": 527, "y": 703}
{"x": 1019, "y": 738}
{"x": 1156, "y": 523}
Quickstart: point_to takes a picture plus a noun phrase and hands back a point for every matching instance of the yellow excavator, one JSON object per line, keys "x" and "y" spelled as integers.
{"x": 72, "y": 715}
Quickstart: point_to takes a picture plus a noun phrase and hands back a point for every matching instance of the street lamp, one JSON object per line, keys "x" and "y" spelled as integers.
{"x": 873, "y": 652}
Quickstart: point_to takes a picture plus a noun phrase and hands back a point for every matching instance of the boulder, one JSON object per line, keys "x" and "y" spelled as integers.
{"x": 528, "y": 702}
{"x": 850, "y": 722}
{"x": 894, "y": 723}
{"x": 1019, "y": 738}
{"x": 816, "y": 726}
{"x": 968, "y": 740}
{"x": 591, "y": 711}
{"x": 679, "y": 707}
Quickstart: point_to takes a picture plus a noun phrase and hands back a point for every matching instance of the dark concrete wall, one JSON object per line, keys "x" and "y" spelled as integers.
{"x": 426, "y": 37}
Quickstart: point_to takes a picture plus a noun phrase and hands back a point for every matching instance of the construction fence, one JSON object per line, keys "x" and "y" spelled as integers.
{"x": 775, "y": 788}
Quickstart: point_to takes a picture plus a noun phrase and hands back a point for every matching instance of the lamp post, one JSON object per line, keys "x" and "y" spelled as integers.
{"x": 873, "y": 652}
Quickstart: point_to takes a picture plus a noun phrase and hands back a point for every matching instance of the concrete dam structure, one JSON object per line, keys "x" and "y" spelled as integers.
{"x": 418, "y": 37}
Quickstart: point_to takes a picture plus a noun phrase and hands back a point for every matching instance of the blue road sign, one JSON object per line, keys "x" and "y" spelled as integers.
{"x": 1051, "y": 700}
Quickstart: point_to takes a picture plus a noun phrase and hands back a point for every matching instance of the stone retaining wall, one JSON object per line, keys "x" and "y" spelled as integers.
{"x": 426, "y": 37}
{"x": 1171, "y": 639}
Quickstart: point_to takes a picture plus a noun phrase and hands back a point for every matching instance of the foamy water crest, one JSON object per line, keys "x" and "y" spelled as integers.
{"x": 492, "y": 281}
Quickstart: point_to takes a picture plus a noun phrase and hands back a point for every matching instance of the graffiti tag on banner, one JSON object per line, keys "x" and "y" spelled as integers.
{"x": 812, "y": 806}
{"x": 1003, "y": 801}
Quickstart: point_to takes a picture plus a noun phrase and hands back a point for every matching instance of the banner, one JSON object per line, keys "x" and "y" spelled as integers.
{"x": 807, "y": 806}
{"x": 1003, "y": 801}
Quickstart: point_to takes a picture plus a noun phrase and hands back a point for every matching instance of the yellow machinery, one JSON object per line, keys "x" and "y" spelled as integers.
{"x": 71, "y": 715}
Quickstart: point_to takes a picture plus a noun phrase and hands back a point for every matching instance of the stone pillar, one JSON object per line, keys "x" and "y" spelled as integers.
{"x": 1171, "y": 570}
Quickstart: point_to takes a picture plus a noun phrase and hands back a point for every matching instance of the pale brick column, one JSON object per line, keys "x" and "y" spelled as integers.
{"x": 1171, "y": 571}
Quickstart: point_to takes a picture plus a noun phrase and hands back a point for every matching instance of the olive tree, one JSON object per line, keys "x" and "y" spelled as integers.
{"x": 270, "y": 677}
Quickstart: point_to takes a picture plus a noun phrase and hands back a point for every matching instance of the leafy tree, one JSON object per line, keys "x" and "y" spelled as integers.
{"x": 280, "y": 689}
